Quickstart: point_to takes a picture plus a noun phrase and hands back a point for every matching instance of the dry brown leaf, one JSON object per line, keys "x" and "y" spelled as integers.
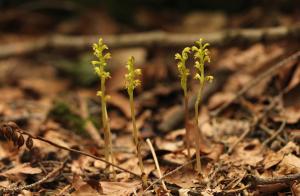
{"x": 83, "y": 188}
{"x": 290, "y": 164}
{"x": 220, "y": 98}
{"x": 24, "y": 168}
{"x": 290, "y": 148}
{"x": 296, "y": 188}
{"x": 245, "y": 150}
{"x": 205, "y": 145}
{"x": 184, "y": 178}
{"x": 116, "y": 121}
{"x": 8, "y": 93}
{"x": 43, "y": 86}
{"x": 120, "y": 101}
{"x": 295, "y": 78}
{"x": 272, "y": 159}
{"x": 120, "y": 188}
{"x": 217, "y": 152}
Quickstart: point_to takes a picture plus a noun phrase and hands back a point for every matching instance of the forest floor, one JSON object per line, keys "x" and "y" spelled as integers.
{"x": 249, "y": 116}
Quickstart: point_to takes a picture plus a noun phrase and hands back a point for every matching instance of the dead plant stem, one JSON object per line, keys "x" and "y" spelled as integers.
{"x": 156, "y": 163}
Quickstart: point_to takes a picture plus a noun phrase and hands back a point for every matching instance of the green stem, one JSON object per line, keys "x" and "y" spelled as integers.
{"x": 135, "y": 131}
{"x": 104, "y": 121}
{"x": 198, "y": 101}
{"x": 186, "y": 119}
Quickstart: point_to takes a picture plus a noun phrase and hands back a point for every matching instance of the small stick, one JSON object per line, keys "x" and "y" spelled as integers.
{"x": 169, "y": 173}
{"x": 255, "y": 121}
{"x": 281, "y": 128}
{"x": 239, "y": 140}
{"x": 237, "y": 190}
{"x": 45, "y": 178}
{"x": 282, "y": 179}
{"x": 156, "y": 163}
{"x": 76, "y": 151}
{"x": 269, "y": 131}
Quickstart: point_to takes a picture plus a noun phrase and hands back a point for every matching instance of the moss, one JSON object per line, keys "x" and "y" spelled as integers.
{"x": 62, "y": 114}
{"x": 77, "y": 71}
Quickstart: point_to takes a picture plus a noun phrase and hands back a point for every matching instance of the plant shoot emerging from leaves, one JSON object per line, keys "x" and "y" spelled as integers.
{"x": 99, "y": 67}
{"x": 201, "y": 55}
{"x": 184, "y": 72}
{"x": 131, "y": 82}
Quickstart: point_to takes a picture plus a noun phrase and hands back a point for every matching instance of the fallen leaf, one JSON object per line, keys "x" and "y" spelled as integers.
{"x": 183, "y": 178}
{"x": 24, "y": 168}
{"x": 245, "y": 150}
{"x": 120, "y": 188}
{"x": 121, "y": 102}
{"x": 272, "y": 159}
{"x": 290, "y": 164}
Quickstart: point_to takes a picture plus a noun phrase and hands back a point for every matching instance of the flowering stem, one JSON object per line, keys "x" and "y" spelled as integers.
{"x": 135, "y": 132}
{"x": 104, "y": 121}
{"x": 186, "y": 119}
{"x": 198, "y": 101}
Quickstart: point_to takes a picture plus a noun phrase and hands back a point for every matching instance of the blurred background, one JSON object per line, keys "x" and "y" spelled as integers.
{"x": 113, "y": 16}
{"x": 45, "y": 45}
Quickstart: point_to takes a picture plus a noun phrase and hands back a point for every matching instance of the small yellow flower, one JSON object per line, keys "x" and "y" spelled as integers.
{"x": 131, "y": 78}
{"x": 100, "y": 64}
{"x": 184, "y": 72}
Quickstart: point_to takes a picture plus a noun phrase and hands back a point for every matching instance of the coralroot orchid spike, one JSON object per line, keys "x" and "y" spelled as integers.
{"x": 99, "y": 68}
{"x": 184, "y": 72}
{"x": 131, "y": 82}
{"x": 201, "y": 55}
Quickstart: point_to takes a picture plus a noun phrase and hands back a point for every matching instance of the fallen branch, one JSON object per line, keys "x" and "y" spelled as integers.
{"x": 149, "y": 39}
{"x": 255, "y": 181}
{"x": 157, "y": 164}
{"x": 30, "y": 186}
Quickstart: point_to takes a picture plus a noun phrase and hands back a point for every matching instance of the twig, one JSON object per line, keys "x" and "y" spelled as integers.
{"x": 269, "y": 131}
{"x": 45, "y": 178}
{"x": 156, "y": 163}
{"x": 255, "y": 181}
{"x": 168, "y": 174}
{"x": 149, "y": 39}
{"x": 265, "y": 181}
{"x": 256, "y": 121}
{"x": 232, "y": 147}
{"x": 268, "y": 73}
{"x": 236, "y": 190}
{"x": 280, "y": 129}
{"x": 77, "y": 152}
